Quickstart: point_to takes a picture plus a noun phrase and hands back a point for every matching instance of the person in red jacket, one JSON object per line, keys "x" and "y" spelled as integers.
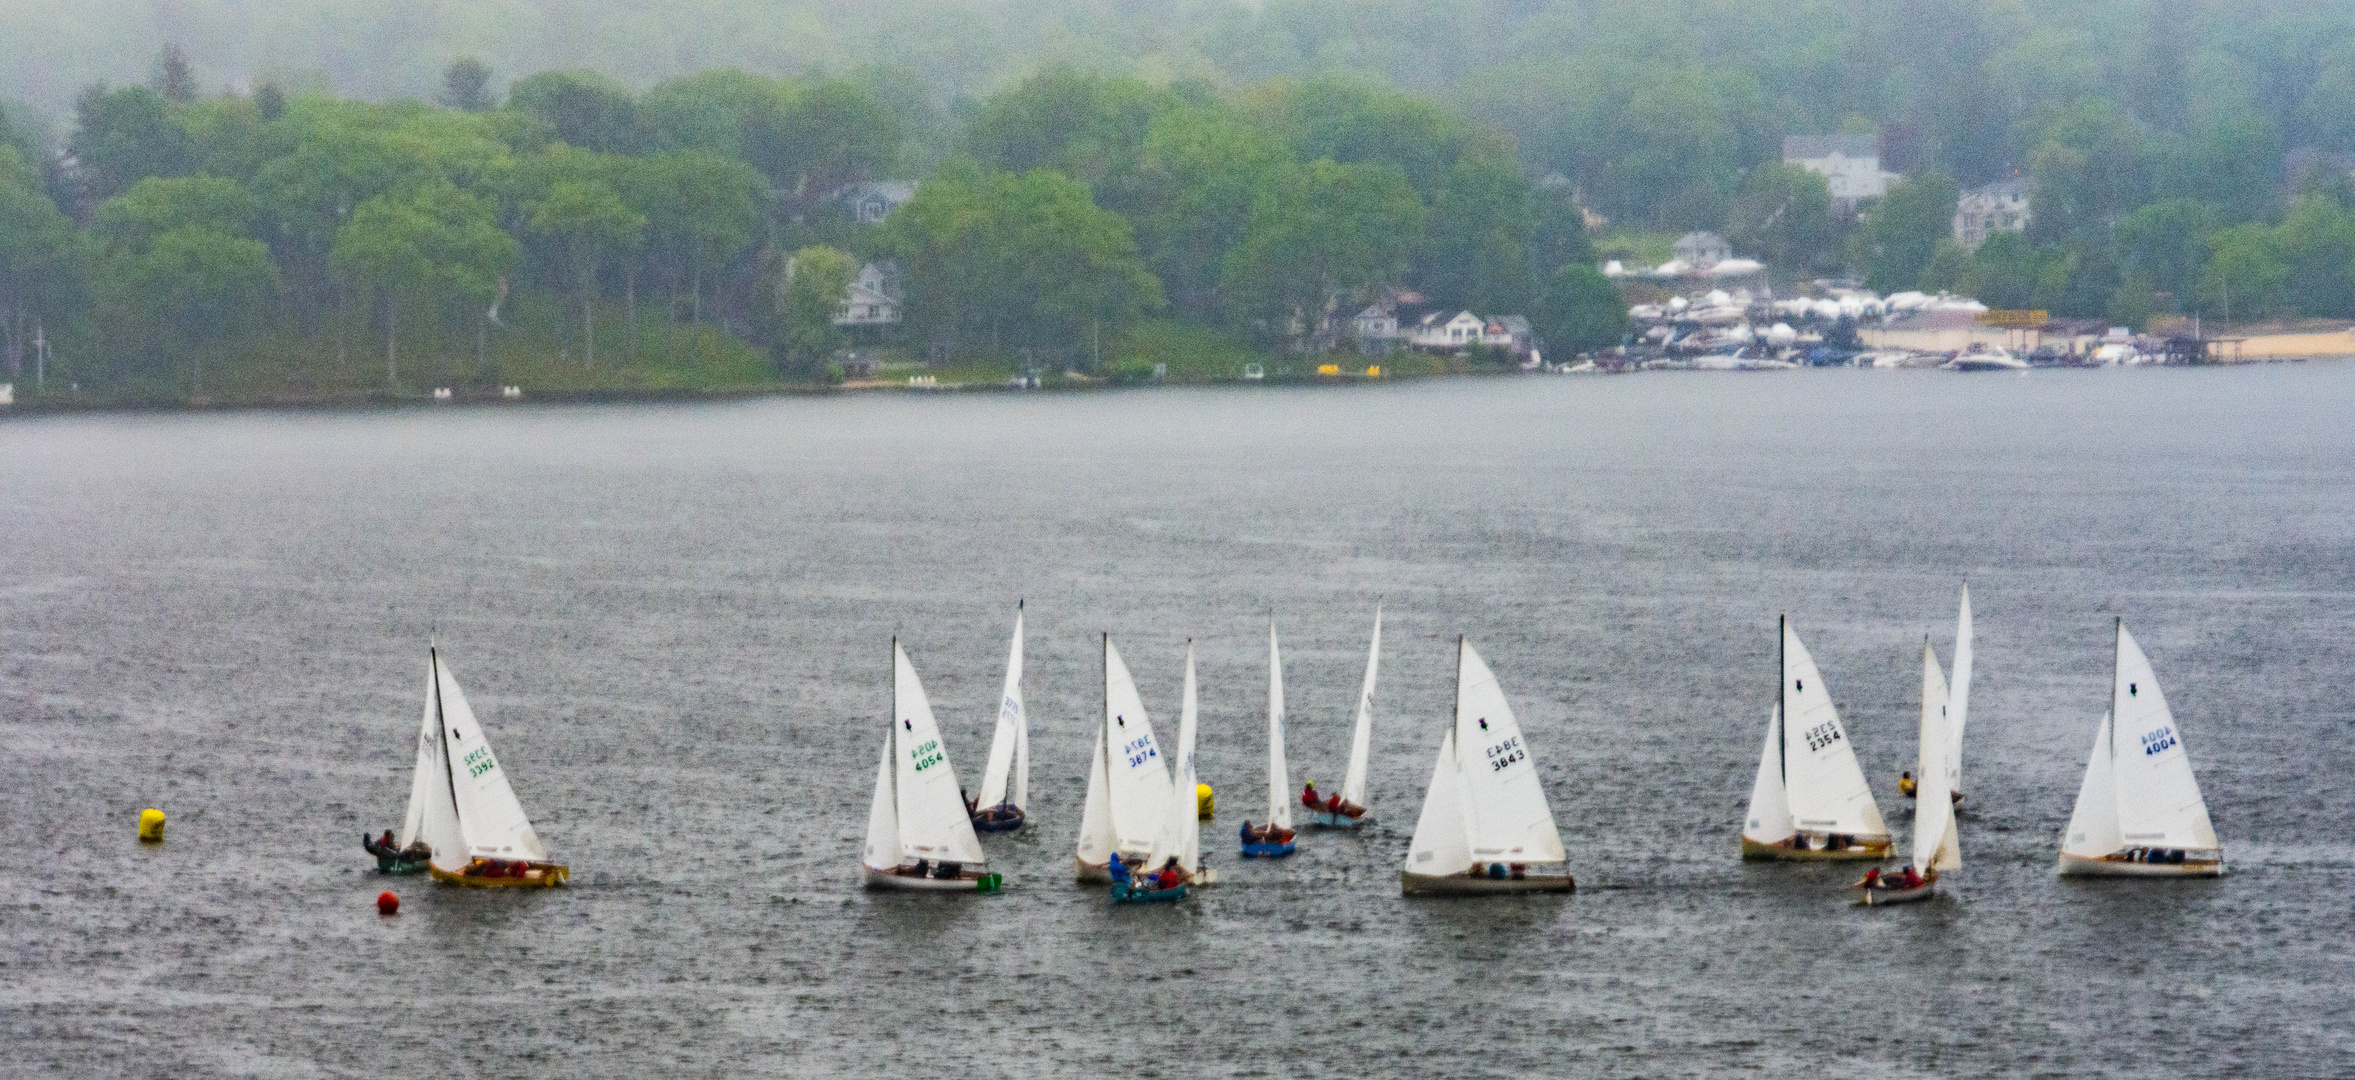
{"x": 1308, "y": 797}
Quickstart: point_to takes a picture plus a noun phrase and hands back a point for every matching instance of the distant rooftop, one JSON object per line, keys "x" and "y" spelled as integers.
{"x": 1804, "y": 147}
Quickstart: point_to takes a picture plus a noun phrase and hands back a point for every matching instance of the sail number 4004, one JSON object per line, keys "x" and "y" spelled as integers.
{"x": 479, "y": 762}
{"x": 2159, "y": 741}
{"x": 927, "y": 755}
{"x": 1505, "y": 753}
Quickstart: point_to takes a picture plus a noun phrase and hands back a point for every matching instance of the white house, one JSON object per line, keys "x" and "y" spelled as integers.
{"x": 873, "y": 200}
{"x": 873, "y": 297}
{"x": 1701, "y": 250}
{"x": 1998, "y": 207}
{"x": 1438, "y": 331}
{"x": 1849, "y": 164}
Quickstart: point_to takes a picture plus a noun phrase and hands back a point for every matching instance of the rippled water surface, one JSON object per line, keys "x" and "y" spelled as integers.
{"x": 675, "y": 622}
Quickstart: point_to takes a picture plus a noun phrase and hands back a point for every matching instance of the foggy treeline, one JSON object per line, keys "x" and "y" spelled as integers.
{"x": 2163, "y": 144}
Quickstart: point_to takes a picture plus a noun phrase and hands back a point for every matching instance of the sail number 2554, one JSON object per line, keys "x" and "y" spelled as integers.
{"x": 927, "y": 755}
{"x": 1505, "y": 753}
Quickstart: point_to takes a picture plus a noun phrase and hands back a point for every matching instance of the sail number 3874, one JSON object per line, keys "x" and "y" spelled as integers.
{"x": 1140, "y": 751}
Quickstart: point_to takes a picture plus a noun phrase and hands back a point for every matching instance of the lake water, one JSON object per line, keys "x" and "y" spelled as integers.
{"x": 675, "y": 622}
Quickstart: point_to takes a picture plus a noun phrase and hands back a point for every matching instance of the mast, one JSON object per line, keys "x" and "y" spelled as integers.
{"x": 891, "y": 723}
{"x": 441, "y": 731}
{"x": 1782, "y": 712}
{"x": 2117, "y": 632}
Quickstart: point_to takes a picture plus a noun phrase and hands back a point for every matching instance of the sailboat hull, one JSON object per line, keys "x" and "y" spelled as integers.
{"x": 1886, "y": 897}
{"x": 2121, "y": 866}
{"x": 396, "y": 867}
{"x": 998, "y": 819}
{"x": 1413, "y": 884}
{"x": 967, "y": 880}
{"x": 1267, "y": 851}
{"x": 536, "y": 876}
{"x": 1101, "y": 873}
{"x": 1863, "y": 849}
{"x": 1125, "y": 893}
{"x": 1322, "y": 820}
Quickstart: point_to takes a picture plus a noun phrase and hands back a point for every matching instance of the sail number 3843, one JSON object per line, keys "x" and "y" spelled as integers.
{"x": 1505, "y": 753}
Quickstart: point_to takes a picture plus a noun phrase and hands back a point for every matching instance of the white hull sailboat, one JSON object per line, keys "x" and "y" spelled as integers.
{"x": 1935, "y": 845}
{"x": 1128, "y": 781}
{"x": 1274, "y": 840}
{"x": 919, "y": 837}
{"x": 1486, "y": 827}
{"x": 1810, "y": 801}
{"x": 1005, "y": 781}
{"x": 2139, "y": 811}
{"x": 462, "y": 805}
{"x": 1351, "y": 812}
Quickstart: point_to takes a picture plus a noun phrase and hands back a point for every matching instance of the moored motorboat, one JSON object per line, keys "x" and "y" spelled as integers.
{"x": 1349, "y": 810}
{"x": 1986, "y": 358}
{"x": 1486, "y": 828}
{"x": 1005, "y": 780}
{"x": 2139, "y": 810}
{"x": 919, "y": 836}
{"x": 469, "y": 816}
{"x": 1809, "y": 801}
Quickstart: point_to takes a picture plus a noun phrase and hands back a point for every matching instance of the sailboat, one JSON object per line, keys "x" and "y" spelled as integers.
{"x": 2139, "y": 811}
{"x": 461, "y": 803}
{"x": 409, "y": 854}
{"x": 1351, "y": 811}
{"x": 1180, "y": 837}
{"x": 1810, "y": 800}
{"x": 999, "y": 809}
{"x": 1274, "y": 839}
{"x": 918, "y": 833}
{"x": 1958, "y": 706}
{"x": 1935, "y": 846}
{"x": 1485, "y": 820}
{"x": 1128, "y": 783}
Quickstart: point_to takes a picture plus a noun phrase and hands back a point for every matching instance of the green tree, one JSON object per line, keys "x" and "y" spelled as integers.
{"x": 2164, "y": 246}
{"x": 2317, "y": 240}
{"x": 815, "y": 281}
{"x": 580, "y": 211}
{"x": 184, "y": 292}
{"x": 125, "y": 135}
{"x": 1321, "y": 233}
{"x": 2003, "y": 272}
{"x": 1784, "y": 215}
{"x": 2247, "y": 275}
{"x": 1580, "y": 311}
{"x": 701, "y": 211}
{"x": 43, "y": 261}
{"x": 175, "y": 79}
{"x": 1089, "y": 127}
{"x": 1198, "y": 174}
{"x": 1903, "y": 228}
{"x": 1475, "y": 244}
{"x": 466, "y": 85}
{"x": 583, "y": 108}
{"x": 423, "y": 249}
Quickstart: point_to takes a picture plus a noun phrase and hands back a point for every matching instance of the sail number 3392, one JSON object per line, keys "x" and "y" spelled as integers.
{"x": 479, "y": 762}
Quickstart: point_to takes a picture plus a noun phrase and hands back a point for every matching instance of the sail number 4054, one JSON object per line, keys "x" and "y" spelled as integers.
{"x": 927, "y": 755}
{"x": 2158, "y": 741}
{"x": 479, "y": 762}
{"x": 1505, "y": 753}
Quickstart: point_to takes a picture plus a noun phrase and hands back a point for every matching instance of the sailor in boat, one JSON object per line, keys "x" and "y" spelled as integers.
{"x": 390, "y": 856}
{"x": 1330, "y": 804}
{"x": 1265, "y": 834}
{"x": 1905, "y": 783}
{"x": 1171, "y": 875}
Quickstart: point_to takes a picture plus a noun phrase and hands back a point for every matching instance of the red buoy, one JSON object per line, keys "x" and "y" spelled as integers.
{"x": 387, "y": 904}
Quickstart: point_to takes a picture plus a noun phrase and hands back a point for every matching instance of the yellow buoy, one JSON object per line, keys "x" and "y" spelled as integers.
{"x": 1204, "y": 801}
{"x": 151, "y": 825}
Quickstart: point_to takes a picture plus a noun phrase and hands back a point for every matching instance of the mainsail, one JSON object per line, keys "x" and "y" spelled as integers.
{"x": 1181, "y": 825}
{"x": 1279, "y": 779}
{"x": 1958, "y": 697}
{"x": 1137, "y": 777}
{"x": 426, "y": 783}
{"x": 1353, "y": 787}
{"x": 1009, "y": 745}
{"x": 1441, "y": 845}
{"x": 2159, "y": 803}
{"x": 933, "y": 823}
{"x": 1822, "y": 782}
{"x": 1505, "y": 811}
{"x": 490, "y": 819}
{"x": 1934, "y": 845}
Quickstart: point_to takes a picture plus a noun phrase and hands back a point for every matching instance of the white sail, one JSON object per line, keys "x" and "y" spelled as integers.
{"x": 1139, "y": 777}
{"x": 489, "y": 815}
{"x": 1958, "y": 694}
{"x": 2159, "y": 802}
{"x": 437, "y": 818}
{"x": 2093, "y": 825}
{"x": 1769, "y": 820}
{"x": 1504, "y": 804}
{"x": 1009, "y": 745}
{"x": 1096, "y": 839}
{"x": 1821, "y": 779}
{"x": 933, "y": 823}
{"x": 1279, "y": 778}
{"x": 1442, "y": 843}
{"x": 1934, "y": 846}
{"x": 426, "y": 781}
{"x": 883, "y": 851}
{"x": 1181, "y": 825}
{"x": 1353, "y": 786}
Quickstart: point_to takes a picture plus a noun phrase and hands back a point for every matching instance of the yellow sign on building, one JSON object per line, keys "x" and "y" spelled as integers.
{"x": 2014, "y": 320}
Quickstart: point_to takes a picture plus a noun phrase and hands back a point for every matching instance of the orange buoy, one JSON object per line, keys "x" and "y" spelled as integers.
{"x": 387, "y": 904}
